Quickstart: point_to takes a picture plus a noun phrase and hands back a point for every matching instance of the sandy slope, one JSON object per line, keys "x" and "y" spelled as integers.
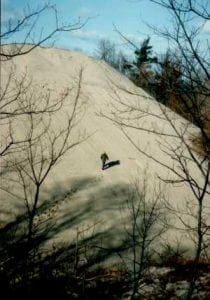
{"x": 79, "y": 194}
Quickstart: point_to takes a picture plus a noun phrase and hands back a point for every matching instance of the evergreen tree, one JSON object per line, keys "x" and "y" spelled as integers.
{"x": 142, "y": 73}
{"x": 144, "y": 54}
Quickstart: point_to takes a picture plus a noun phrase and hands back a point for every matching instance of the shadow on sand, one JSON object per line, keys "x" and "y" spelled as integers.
{"x": 111, "y": 164}
{"x": 33, "y": 270}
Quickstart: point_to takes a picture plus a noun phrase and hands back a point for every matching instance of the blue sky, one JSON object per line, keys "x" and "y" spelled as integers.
{"x": 129, "y": 16}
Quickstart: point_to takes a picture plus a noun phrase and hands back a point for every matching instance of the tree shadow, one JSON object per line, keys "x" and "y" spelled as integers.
{"x": 52, "y": 271}
{"x": 79, "y": 266}
{"x": 111, "y": 164}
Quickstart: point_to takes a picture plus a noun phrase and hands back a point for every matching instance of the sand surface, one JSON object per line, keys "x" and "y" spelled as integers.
{"x": 77, "y": 193}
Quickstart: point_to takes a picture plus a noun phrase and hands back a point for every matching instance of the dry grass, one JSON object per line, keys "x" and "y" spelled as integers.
{"x": 201, "y": 146}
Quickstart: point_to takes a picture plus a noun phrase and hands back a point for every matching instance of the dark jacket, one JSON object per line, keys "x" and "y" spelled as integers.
{"x": 104, "y": 157}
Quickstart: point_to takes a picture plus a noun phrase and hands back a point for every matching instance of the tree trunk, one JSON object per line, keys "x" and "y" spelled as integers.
{"x": 197, "y": 255}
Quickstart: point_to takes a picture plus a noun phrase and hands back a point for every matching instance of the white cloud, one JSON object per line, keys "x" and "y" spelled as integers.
{"x": 90, "y": 35}
{"x": 135, "y": 38}
{"x": 84, "y": 12}
{"x": 206, "y": 26}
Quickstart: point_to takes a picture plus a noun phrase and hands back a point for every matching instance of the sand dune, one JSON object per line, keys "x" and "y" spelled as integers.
{"x": 79, "y": 194}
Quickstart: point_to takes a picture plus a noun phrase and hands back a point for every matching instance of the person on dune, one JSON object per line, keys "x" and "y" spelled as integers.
{"x": 104, "y": 158}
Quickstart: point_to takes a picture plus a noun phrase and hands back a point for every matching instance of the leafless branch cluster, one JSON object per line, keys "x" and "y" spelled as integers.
{"x": 43, "y": 143}
{"x": 173, "y": 135}
{"x": 33, "y": 36}
{"x": 38, "y": 125}
{"x": 145, "y": 225}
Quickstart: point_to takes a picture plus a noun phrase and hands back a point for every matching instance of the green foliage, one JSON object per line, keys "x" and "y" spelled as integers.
{"x": 140, "y": 70}
{"x": 144, "y": 54}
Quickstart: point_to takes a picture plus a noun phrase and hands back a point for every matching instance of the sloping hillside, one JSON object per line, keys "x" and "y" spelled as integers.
{"x": 77, "y": 194}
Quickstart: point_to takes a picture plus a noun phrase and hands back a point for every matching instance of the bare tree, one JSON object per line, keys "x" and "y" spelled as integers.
{"x": 144, "y": 226}
{"x": 107, "y": 51}
{"x": 14, "y": 93}
{"x": 192, "y": 54}
{"x": 186, "y": 165}
{"x": 32, "y": 143}
{"x": 167, "y": 79}
{"x": 195, "y": 65}
{"x": 19, "y": 97}
{"x": 44, "y": 143}
{"x": 43, "y": 128}
{"x": 173, "y": 138}
{"x": 33, "y": 36}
